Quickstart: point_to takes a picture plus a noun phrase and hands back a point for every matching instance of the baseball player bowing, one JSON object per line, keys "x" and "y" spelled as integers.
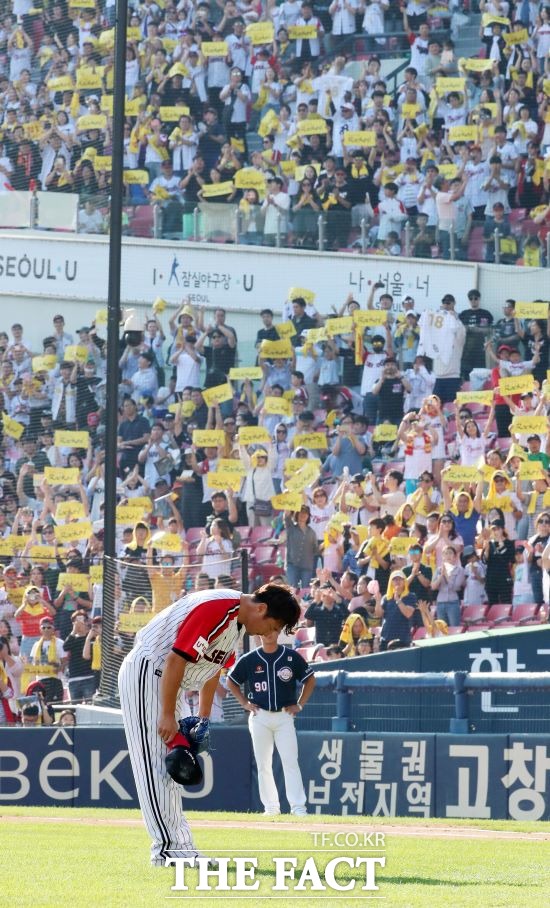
{"x": 271, "y": 675}
{"x": 185, "y": 647}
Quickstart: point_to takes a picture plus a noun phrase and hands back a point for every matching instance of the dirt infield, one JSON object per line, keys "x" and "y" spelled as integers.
{"x": 425, "y": 831}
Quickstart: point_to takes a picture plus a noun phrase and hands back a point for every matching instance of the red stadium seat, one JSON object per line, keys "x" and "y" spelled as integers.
{"x": 473, "y": 614}
{"x": 420, "y": 633}
{"x": 305, "y": 635}
{"x": 258, "y": 535}
{"x": 471, "y": 628}
{"x": 321, "y": 655}
{"x": 498, "y": 613}
{"x": 458, "y": 629}
{"x": 193, "y": 535}
{"x": 308, "y": 652}
{"x": 525, "y": 614}
{"x": 244, "y": 533}
{"x": 264, "y": 554}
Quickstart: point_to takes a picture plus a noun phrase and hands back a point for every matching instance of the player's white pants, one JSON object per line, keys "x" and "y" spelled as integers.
{"x": 159, "y": 796}
{"x": 268, "y": 729}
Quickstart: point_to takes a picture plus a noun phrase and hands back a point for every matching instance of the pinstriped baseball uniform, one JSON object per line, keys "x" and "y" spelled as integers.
{"x": 202, "y": 628}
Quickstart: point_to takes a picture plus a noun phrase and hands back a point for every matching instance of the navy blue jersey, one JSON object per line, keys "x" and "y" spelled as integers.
{"x": 271, "y": 679}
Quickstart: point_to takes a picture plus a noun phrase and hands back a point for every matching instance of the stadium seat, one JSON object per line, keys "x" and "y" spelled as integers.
{"x": 420, "y": 634}
{"x": 305, "y": 635}
{"x": 244, "y": 533}
{"x": 263, "y": 554}
{"x": 321, "y": 655}
{"x": 473, "y": 614}
{"x": 498, "y": 613}
{"x": 193, "y": 535}
{"x": 308, "y": 652}
{"x": 471, "y": 628}
{"x": 476, "y": 246}
{"x": 258, "y": 535}
{"x": 526, "y": 613}
{"x": 457, "y": 629}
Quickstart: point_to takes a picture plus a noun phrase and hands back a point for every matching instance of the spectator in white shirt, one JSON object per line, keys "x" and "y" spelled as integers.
{"x": 275, "y": 208}
{"x": 343, "y": 16}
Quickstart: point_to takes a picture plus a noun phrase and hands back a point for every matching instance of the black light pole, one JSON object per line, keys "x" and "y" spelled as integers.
{"x": 108, "y": 681}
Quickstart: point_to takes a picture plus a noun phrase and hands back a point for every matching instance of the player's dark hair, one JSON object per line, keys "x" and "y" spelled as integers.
{"x": 281, "y": 604}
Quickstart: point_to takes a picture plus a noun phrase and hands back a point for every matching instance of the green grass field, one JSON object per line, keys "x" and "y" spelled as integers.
{"x": 75, "y": 858}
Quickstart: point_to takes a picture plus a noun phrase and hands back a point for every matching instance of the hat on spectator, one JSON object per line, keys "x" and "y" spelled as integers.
{"x": 11, "y": 568}
{"x": 506, "y": 348}
{"x": 83, "y": 330}
{"x": 47, "y": 619}
{"x": 347, "y": 106}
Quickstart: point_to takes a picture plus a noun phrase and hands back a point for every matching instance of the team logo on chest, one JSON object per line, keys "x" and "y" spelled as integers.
{"x": 258, "y": 670}
{"x": 285, "y": 674}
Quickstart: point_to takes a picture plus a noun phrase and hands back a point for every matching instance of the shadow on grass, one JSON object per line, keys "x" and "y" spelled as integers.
{"x": 382, "y": 878}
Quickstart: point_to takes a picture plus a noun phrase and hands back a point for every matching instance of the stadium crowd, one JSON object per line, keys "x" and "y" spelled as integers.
{"x": 391, "y": 466}
{"x": 282, "y": 112}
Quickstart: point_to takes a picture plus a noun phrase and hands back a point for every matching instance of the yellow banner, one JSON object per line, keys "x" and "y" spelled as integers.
{"x": 44, "y": 363}
{"x": 488, "y": 19}
{"x": 400, "y": 545}
{"x": 410, "y": 111}
{"x": 86, "y": 79}
{"x": 72, "y": 532}
{"x": 285, "y": 329}
{"x": 136, "y": 177}
{"x": 302, "y": 32}
{"x": 133, "y": 33}
{"x": 456, "y": 473}
{"x": 11, "y": 427}
{"x": 314, "y": 127}
{"x": 134, "y": 106}
{"x": 475, "y": 397}
{"x": 92, "y": 121}
{"x": 179, "y": 69}
{"x": 519, "y": 37}
{"x": 253, "y": 373}
{"x": 449, "y": 171}
{"x": 131, "y": 623}
{"x": 294, "y": 464}
{"x": 208, "y": 438}
{"x": 316, "y": 335}
{"x": 75, "y": 353}
{"x": 106, "y": 104}
{"x": 281, "y": 349}
{"x": 41, "y": 553}
{"x": 304, "y": 477}
{"x": 100, "y": 317}
{"x": 532, "y": 310}
{"x": 315, "y": 441}
{"x": 335, "y": 326}
{"x": 232, "y": 466}
{"x": 249, "y": 178}
{"x": 254, "y": 435}
{"x": 224, "y": 479}
{"x": 79, "y": 582}
{"x": 371, "y": 318}
{"x": 463, "y": 134}
{"x": 288, "y": 167}
{"x": 141, "y": 501}
{"x": 127, "y": 515}
{"x": 217, "y": 395}
{"x": 167, "y": 542}
{"x": 444, "y": 85}
{"x": 301, "y": 293}
{"x": 7, "y": 546}
{"x": 70, "y": 510}
{"x": 474, "y": 64}
{"x": 287, "y": 501}
{"x": 33, "y": 131}
{"x": 215, "y": 189}
{"x": 352, "y": 500}
{"x": 384, "y": 432}
{"x": 63, "y": 438}
{"x": 260, "y": 32}
{"x": 60, "y": 83}
{"x": 360, "y": 138}
{"x": 214, "y": 49}
{"x": 59, "y": 476}
{"x": 96, "y": 573}
{"x": 531, "y": 469}
{"x": 517, "y": 384}
{"x": 530, "y": 425}
{"x": 277, "y": 406}
{"x": 172, "y": 114}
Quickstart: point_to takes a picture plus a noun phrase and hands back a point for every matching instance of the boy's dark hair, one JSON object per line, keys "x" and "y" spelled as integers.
{"x": 281, "y": 604}
{"x": 378, "y": 523}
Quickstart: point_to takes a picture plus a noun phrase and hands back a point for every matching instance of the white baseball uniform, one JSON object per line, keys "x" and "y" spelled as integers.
{"x": 203, "y": 629}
